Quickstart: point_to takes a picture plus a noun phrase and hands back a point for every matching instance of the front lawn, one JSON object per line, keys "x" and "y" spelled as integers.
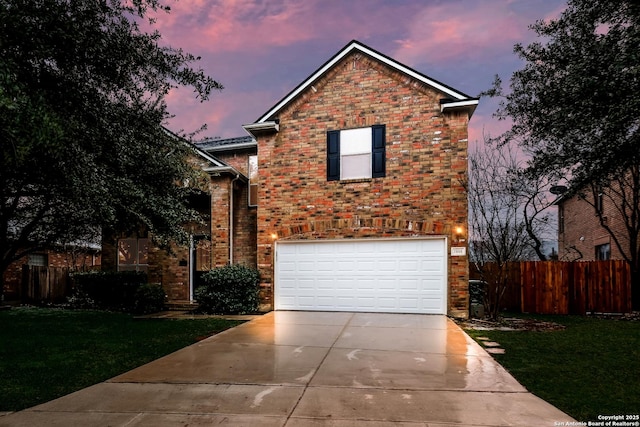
{"x": 47, "y": 353}
{"x": 590, "y": 368}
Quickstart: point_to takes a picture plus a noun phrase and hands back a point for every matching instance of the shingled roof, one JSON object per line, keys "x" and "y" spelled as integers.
{"x": 223, "y": 144}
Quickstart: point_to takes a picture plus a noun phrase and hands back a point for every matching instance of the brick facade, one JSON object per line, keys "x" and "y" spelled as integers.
{"x": 426, "y": 160}
{"x": 421, "y": 193}
{"x": 217, "y": 242}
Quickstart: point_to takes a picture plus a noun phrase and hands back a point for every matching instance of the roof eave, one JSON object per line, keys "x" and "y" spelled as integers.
{"x": 231, "y": 147}
{"x": 262, "y": 127}
{"x": 219, "y": 170}
{"x": 469, "y": 105}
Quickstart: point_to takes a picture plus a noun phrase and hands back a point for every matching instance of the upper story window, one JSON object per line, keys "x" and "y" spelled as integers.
{"x": 599, "y": 201}
{"x": 356, "y": 153}
{"x": 603, "y": 252}
{"x": 253, "y": 180}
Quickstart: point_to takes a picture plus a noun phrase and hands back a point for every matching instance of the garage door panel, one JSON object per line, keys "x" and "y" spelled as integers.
{"x": 365, "y": 285}
{"x": 401, "y": 275}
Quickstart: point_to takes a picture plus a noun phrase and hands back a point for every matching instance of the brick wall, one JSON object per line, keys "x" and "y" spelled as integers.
{"x": 171, "y": 269}
{"x": 421, "y": 194}
{"x": 245, "y": 217}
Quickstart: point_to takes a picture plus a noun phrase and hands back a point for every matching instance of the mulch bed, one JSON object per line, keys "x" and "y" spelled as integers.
{"x": 516, "y": 324}
{"x": 510, "y": 324}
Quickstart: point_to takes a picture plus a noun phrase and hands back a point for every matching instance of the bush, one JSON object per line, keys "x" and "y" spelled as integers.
{"x": 477, "y": 291}
{"x": 149, "y": 298}
{"x": 229, "y": 290}
{"x": 109, "y": 289}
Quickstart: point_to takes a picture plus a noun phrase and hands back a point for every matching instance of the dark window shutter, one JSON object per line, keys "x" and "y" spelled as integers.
{"x": 378, "y": 147}
{"x": 333, "y": 155}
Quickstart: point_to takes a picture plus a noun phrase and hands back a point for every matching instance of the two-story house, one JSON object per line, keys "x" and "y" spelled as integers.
{"x": 347, "y": 196}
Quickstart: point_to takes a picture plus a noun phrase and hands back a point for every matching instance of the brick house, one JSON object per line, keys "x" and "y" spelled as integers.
{"x": 580, "y": 234}
{"x": 226, "y": 235}
{"x": 347, "y": 195}
{"x": 86, "y": 256}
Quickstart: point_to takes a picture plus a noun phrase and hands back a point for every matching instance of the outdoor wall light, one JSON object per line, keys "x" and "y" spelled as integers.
{"x": 274, "y": 236}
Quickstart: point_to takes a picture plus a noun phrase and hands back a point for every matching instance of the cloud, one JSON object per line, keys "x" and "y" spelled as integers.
{"x": 261, "y": 49}
{"x": 470, "y": 31}
{"x": 235, "y": 25}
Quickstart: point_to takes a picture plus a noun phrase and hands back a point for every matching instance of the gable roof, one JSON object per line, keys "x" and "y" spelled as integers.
{"x": 456, "y": 99}
{"x": 215, "y": 166}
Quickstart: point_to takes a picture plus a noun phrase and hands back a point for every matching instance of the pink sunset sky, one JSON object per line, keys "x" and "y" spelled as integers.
{"x": 262, "y": 49}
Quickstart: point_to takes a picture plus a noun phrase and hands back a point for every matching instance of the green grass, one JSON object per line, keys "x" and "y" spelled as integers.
{"x": 590, "y": 368}
{"x": 47, "y": 353}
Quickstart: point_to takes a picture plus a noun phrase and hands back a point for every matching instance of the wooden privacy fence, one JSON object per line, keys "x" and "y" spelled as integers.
{"x": 45, "y": 284}
{"x": 553, "y": 287}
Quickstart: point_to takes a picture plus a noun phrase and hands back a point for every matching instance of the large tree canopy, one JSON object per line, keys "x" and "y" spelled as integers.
{"x": 575, "y": 108}
{"x": 82, "y": 92}
{"x": 575, "y": 104}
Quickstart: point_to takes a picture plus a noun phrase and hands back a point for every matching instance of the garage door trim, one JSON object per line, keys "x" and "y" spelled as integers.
{"x": 437, "y": 289}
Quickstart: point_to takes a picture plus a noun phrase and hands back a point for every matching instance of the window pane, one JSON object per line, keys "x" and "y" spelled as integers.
{"x": 127, "y": 251}
{"x": 603, "y": 252}
{"x": 355, "y": 166}
{"x": 253, "y": 195}
{"x": 253, "y": 168}
{"x": 355, "y": 141}
{"x": 143, "y": 251}
{"x": 38, "y": 260}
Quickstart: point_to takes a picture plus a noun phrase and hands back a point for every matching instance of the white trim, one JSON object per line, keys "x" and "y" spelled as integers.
{"x": 191, "y": 268}
{"x": 458, "y": 104}
{"x": 261, "y": 126}
{"x": 212, "y": 170}
{"x": 230, "y": 147}
{"x": 347, "y": 50}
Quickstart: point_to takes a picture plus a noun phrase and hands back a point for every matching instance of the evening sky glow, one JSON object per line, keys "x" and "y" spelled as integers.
{"x": 262, "y": 49}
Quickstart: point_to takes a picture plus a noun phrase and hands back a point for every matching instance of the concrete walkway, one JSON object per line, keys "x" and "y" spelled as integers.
{"x": 311, "y": 369}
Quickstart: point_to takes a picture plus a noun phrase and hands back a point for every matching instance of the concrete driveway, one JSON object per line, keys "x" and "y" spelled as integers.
{"x": 311, "y": 369}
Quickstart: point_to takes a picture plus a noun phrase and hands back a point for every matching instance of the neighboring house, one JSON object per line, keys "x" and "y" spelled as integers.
{"x": 347, "y": 196}
{"x": 86, "y": 256}
{"x": 580, "y": 234}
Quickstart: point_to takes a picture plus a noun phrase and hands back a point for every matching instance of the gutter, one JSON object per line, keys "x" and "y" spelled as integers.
{"x": 231, "y": 147}
{"x": 254, "y": 129}
{"x": 469, "y": 104}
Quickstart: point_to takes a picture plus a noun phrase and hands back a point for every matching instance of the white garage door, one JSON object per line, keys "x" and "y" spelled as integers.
{"x": 385, "y": 275}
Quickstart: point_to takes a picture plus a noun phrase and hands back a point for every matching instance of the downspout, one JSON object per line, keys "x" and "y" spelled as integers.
{"x": 191, "y": 267}
{"x": 231, "y": 219}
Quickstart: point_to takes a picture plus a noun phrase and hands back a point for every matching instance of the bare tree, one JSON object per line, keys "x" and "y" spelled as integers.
{"x": 508, "y": 217}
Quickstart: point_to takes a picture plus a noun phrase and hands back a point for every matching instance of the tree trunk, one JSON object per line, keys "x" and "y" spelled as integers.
{"x": 635, "y": 288}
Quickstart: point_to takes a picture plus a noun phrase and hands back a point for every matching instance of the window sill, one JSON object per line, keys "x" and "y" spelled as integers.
{"x": 353, "y": 181}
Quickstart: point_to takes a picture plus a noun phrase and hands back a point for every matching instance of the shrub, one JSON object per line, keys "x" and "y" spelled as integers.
{"x": 149, "y": 298}
{"x": 230, "y": 290}
{"x": 109, "y": 289}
